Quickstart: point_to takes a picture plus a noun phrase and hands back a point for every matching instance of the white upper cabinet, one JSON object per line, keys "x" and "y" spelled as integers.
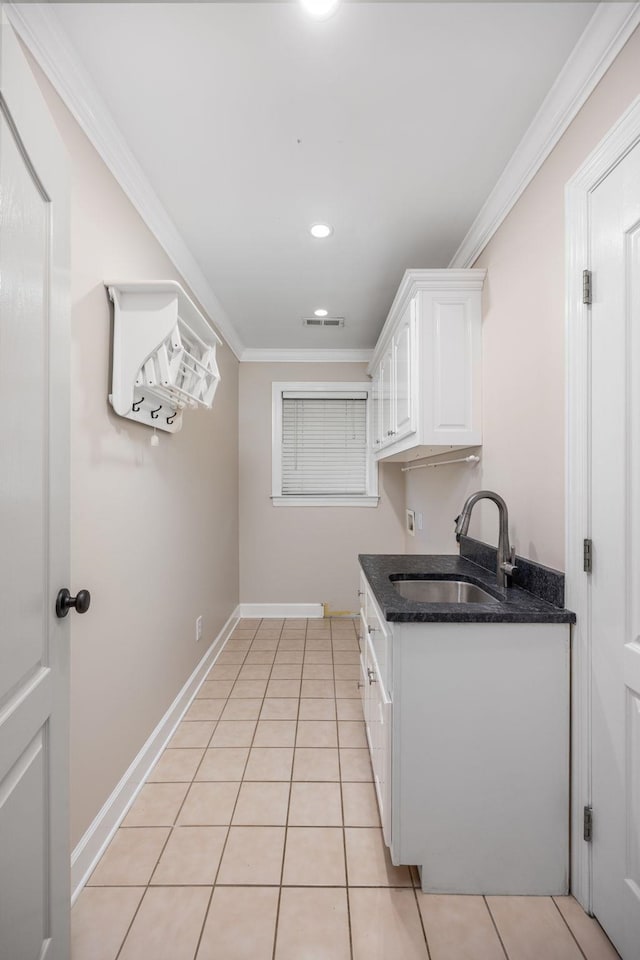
{"x": 427, "y": 366}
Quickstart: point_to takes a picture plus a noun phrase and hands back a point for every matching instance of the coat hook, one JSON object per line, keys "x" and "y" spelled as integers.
{"x": 154, "y": 413}
{"x": 136, "y": 406}
{"x": 172, "y": 417}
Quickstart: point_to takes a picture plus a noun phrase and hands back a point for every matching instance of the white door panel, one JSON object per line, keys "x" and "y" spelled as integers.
{"x": 23, "y": 375}
{"x": 615, "y": 526}
{"x": 23, "y": 842}
{"x": 404, "y": 344}
{"x": 34, "y": 519}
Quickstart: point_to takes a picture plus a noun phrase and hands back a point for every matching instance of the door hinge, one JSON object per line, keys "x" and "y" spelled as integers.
{"x": 587, "y": 556}
{"x": 587, "y": 831}
{"x": 586, "y": 286}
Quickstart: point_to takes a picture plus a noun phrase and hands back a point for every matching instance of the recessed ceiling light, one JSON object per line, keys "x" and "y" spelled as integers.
{"x": 321, "y": 313}
{"x": 321, "y": 231}
{"x": 320, "y": 9}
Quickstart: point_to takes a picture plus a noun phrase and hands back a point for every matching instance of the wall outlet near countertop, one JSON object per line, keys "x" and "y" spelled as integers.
{"x": 411, "y": 522}
{"x": 198, "y": 629}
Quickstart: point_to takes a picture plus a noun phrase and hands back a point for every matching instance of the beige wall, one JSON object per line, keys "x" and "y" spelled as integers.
{"x": 304, "y": 554}
{"x": 523, "y": 353}
{"x": 154, "y": 531}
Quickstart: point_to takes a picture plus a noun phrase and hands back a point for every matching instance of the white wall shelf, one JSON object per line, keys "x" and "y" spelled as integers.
{"x": 164, "y": 354}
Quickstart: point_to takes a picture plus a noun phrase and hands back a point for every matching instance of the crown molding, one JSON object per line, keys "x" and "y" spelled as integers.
{"x": 606, "y": 33}
{"x": 40, "y": 30}
{"x": 602, "y": 40}
{"x": 251, "y": 355}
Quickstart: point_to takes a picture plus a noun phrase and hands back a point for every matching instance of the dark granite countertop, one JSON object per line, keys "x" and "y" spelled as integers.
{"x": 520, "y": 606}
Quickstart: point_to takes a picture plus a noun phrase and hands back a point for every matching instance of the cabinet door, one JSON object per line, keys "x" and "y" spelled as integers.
{"x": 362, "y": 683}
{"x": 376, "y": 412}
{"x": 404, "y": 346}
{"x": 377, "y": 711}
{"x": 386, "y": 423}
{"x": 375, "y": 629}
{"x": 365, "y": 693}
{"x": 450, "y": 324}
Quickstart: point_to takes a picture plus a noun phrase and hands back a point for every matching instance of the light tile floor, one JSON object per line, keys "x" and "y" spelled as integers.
{"x": 257, "y": 834}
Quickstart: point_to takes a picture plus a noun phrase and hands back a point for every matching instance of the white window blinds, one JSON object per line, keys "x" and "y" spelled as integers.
{"x": 324, "y": 445}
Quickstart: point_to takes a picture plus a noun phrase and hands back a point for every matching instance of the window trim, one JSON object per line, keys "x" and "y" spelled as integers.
{"x": 322, "y": 388}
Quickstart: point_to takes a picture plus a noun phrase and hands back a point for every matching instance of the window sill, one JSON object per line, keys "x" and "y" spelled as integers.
{"x": 325, "y": 501}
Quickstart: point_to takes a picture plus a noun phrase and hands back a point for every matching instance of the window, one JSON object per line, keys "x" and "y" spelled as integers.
{"x": 321, "y": 450}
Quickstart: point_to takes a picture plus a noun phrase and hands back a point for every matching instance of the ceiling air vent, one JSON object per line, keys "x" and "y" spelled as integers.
{"x": 323, "y": 321}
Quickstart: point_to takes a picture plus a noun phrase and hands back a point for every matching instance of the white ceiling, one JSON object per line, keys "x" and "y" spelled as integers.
{"x": 391, "y": 121}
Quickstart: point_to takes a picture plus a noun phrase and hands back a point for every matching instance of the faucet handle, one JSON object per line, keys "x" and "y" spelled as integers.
{"x": 510, "y": 565}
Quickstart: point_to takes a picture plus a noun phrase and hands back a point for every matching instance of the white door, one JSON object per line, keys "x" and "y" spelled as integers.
{"x": 34, "y": 519}
{"x": 615, "y": 581}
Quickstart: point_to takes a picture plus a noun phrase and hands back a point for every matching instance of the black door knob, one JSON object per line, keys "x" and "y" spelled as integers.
{"x": 64, "y": 602}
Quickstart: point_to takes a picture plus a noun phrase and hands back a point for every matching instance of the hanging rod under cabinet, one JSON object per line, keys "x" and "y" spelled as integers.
{"x": 472, "y": 458}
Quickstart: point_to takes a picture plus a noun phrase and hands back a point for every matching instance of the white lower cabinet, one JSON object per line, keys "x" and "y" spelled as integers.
{"x": 468, "y": 729}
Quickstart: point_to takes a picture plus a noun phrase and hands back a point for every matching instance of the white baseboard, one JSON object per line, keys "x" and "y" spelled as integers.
{"x": 271, "y": 610}
{"x": 94, "y": 842}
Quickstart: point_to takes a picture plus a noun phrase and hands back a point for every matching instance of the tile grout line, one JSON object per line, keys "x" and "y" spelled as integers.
{"x": 340, "y": 780}
{"x": 204, "y": 922}
{"x": 420, "y": 917}
{"x": 226, "y": 839}
{"x": 344, "y": 832}
{"x": 213, "y": 886}
{"x": 289, "y": 886}
{"x": 128, "y": 930}
{"x": 246, "y": 764}
{"x": 568, "y": 926}
{"x": 344, "y": 841}
{"x": 164, "y": 846}
{"x": 286, "y": 825}
{"x": 146, "y": 891}
{"x": 148, "y": 885}
{"x": 495, "y": 927}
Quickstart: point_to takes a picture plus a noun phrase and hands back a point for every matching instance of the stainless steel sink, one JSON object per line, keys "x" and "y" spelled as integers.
{"x": 442, "y": 591}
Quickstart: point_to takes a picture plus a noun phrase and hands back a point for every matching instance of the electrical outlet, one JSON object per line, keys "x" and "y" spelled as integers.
{"x": 411, "y": 523}
{"x": 198, "y": 629}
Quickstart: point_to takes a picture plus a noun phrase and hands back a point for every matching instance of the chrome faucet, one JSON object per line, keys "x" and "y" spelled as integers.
{"x": 506, "y": 555}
